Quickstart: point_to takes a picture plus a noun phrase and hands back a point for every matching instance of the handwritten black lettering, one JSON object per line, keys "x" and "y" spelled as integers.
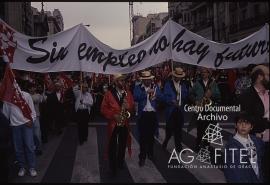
{"x": 31, "y": 43}
{"x": 60, "y": 56}
{"x": 249, "y": 50}
{"x": 94, "y": 55}
{"x": 201, "y": 50}
{"x": 141, "y": 56}
{"x": 160, "y": 45}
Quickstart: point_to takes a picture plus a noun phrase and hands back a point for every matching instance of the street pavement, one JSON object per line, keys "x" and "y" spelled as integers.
{"x": 64, "y": 160}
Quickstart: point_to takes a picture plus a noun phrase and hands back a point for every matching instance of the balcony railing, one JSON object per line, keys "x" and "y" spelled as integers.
{"x": 249, "y": 23}
{"x": 201, "y": 25}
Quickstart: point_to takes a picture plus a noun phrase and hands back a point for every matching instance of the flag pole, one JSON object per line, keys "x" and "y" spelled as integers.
{"x": 92, "y": 81}
{"x": 81, "y": 79}
{"x": 172, "y": 64}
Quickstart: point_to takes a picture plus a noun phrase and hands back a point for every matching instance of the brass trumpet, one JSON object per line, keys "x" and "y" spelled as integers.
{"x": 206, "y": 101}
{"x": 124, "y": 114}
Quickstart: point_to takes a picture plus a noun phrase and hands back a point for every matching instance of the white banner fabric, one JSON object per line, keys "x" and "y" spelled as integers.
{"x": 76, "y": 49}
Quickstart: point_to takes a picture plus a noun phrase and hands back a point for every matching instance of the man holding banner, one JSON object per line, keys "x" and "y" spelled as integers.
{"x": 83, "y": 104}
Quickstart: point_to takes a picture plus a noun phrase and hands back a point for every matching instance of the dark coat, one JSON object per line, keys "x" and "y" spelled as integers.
{"x": 251, "y": 102}
{"x": 170, "y": 95}
{"x": 243, "y": 175}
{"x": 5, "y": 132}
{"x": 55, "y": 107}
{"x": 140, "y": 97}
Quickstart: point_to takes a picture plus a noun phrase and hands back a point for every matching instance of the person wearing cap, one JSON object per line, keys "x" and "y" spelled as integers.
{"x": 204, "y": 88}
{"x": 83, "y": 103}
{"x": 146, "y": 95}
{"x": 175, "y": 95}
{"x": 248, "y": 151}
{"x": 255, "y": 101}
{"x": 119, "y": 136}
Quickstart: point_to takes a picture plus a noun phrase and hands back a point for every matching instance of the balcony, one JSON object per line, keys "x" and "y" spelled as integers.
{"x": 252, "y": 22}
{"x": 233, "y": 28}
{"x": 201, "y": 25}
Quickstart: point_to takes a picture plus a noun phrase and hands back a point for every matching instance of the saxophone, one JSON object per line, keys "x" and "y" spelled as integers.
{"x": 124, "y": 114}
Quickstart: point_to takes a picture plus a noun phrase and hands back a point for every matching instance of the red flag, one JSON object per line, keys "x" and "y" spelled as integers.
{"x": 48, "y": 82}
{"x": 67, "y": 82}
{"x": 7, "y": 43}
{"x": 10, "y": 92}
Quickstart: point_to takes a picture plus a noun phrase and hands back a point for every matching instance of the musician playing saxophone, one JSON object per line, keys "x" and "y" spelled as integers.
{"x": 116, "y": 107}
{"x": 205, "y": 91}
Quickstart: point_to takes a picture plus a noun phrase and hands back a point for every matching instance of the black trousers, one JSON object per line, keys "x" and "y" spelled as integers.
{"x": 44, "y": 122}
{"x": 82, "y": 123}
{"x": 4, "y": 166}
{"x": 117, "y": 147}
{"x": 265, "y": 162}
{"x": 147, "y": 127}
{"x": 174, "y": 127}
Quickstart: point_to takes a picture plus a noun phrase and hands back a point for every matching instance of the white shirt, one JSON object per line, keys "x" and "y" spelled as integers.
{"x": 87, "y": 100}
{"x": 15, "y": 115}
{"x": 37, "y": 99}
{"x": 178, "y": 88}
{"x": 58, "y": 94}
{"x": 249, "y": 145}
{"x": 148, "y": 107}
{"x": 205, "y": 82}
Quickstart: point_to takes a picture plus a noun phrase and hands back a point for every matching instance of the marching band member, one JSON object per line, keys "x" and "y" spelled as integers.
{"x": 175, "y": 95}
{"x": 146, "y": 95}
{"x": 204, "y": 91}
{"x": 116, "y": 107}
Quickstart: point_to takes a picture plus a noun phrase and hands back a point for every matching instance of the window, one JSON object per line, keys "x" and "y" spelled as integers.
{"x": 234, "y": 18}
{"x": 243, "y": 14}
{"x": 185, "y": 17}
{"x": 256, "y": 10}
{"x": 243, "y": 4}
{"x": 233, "y": 6}
{"x": 171, "y": 13}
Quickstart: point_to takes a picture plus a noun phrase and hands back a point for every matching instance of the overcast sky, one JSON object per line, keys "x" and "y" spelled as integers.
{"x": 109, "y": 21}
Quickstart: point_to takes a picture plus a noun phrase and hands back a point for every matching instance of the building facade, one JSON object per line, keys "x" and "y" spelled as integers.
{"x": 12, "y": 14}
{"x": 55, "y": 21}
{"x": 144, "y": 27}
{"x": 220, "y": 21}
{"x": 41, "y": 27}
{"x": 139, "y": 28}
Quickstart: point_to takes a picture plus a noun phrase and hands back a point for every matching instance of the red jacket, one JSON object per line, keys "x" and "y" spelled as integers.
{"x": 110, "y": 107}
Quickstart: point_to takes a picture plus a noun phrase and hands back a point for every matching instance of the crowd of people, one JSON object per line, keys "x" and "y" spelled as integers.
{"x": 57, "y": 99}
